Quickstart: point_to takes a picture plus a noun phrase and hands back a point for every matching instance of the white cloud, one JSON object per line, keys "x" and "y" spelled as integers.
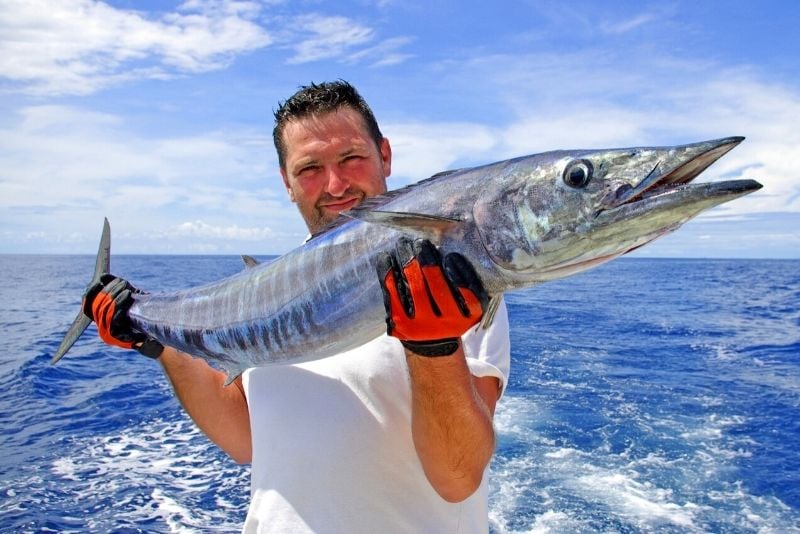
{"x": 422, "y": 149}
{"x": 202, "y": 229}
{"x": 597, "y": 20}
{"x": 329, "y": 37}
{"x": 584, "y": 126}
{"x": 392, "y": 58}
{"x": 314, "y": 37}
{"x": 77, "y": 148}
{"x": 75, "y": 166}
{"x": 384, "y": 54}
{"x": 80, "y": 46}
{"x": 630, "y": 24}
{"x": 604, "y": 100}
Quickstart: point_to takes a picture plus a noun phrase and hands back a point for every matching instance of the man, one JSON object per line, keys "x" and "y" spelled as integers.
{"x": 393, "y": 436}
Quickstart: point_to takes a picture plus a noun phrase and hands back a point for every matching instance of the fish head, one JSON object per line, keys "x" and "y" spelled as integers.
{"x": 563, "y": 212}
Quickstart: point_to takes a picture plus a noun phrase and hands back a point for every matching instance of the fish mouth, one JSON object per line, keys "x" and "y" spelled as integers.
{"x": 658, "y": 205}
{"x": 665, "y": 199}
{"x": 670, "y": 177}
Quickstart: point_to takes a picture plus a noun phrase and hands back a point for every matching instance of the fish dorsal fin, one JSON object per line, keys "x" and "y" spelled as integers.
{"x": 249, "y": 261}
{"x": 445, "y": 173}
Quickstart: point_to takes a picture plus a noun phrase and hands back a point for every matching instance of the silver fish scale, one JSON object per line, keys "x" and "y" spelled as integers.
{"x": 319, "y": 300}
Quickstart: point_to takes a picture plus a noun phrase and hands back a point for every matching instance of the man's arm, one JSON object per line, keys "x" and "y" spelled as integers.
{"x": 219, "y": 411}
{"x": 430, "y": 303}
{"x": 451, "y": 418}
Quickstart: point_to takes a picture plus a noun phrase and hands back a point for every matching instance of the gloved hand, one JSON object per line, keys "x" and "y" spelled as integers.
{"x": 107, "y": 304}
{"x": 430, "y": 302}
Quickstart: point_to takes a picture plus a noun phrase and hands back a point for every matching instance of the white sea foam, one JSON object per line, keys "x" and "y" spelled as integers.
{"x": 176, "y": 516}
{"x": 515, "y": 417}
{"x": 554, "y": 521}
{"x": 560, "y": 453}
{"x": 617, "y": 487}
{"x": 644, "y": 503}
{"x": 162, "y": 472}
{"x": 541, "y": 484}
{"x": 714, "y": 427}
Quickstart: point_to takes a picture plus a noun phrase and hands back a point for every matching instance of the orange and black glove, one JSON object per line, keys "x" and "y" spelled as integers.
{"x": 430, "y": 301}
{"x": 107, "y": 303}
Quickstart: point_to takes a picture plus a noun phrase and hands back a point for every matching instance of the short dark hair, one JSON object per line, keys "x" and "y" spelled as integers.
{"x": 321, "y": 98}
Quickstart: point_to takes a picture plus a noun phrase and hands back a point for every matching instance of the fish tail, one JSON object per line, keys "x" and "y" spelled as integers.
{"x": 81, "y": 322}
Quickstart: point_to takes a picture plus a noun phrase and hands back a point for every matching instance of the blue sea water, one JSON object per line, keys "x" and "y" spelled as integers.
{"x": 646, "y": 396}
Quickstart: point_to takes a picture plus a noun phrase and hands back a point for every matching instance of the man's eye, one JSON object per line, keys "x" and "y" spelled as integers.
{"x": 307, "y": 170}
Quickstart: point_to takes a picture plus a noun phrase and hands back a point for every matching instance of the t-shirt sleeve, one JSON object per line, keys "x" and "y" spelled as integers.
{"x": 489, "y": 351}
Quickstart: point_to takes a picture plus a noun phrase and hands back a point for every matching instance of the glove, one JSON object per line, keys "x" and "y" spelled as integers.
{"x": 430, "y": 302}
{"x": 107, "y": 304}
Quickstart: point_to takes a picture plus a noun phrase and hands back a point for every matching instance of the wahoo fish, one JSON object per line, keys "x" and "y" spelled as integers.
{"x": 520, "y": 222}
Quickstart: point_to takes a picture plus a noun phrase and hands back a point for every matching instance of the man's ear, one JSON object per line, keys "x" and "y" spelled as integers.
{"x": 289, "y": 190}
{"x": 386, "y": 156}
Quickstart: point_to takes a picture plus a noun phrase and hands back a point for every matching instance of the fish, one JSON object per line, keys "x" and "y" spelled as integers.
{"x": 520, "y": 222}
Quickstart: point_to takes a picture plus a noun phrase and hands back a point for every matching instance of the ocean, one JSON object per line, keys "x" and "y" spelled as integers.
{"x": 647, "y": 395}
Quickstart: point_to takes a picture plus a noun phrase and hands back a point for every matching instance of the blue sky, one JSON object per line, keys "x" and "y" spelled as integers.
{"x": 159, "y": 114}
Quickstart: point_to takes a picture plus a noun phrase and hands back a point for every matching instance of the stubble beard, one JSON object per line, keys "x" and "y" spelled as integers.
{"x": 319, "y": 220}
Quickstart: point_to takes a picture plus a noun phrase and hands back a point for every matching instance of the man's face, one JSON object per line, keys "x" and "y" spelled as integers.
{"x": 332, "y": 165}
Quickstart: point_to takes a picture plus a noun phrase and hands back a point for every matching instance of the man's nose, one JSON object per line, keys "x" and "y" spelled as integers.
{"x": 337, "y": 184}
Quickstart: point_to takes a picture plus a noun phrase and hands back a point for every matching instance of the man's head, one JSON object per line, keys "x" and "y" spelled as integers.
{"x": 318, "y": 99}
{"x": 331, "y": 152}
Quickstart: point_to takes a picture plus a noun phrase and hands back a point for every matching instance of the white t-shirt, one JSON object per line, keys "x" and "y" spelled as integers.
{"x": 332, "y": 446}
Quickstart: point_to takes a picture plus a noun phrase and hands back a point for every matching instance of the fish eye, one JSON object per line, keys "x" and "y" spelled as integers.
{"x": 578, "y": 173}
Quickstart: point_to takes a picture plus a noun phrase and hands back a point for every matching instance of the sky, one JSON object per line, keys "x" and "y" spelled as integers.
{"x": 158, "y": 115}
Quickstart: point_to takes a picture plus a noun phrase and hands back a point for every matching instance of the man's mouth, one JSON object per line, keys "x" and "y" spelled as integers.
{"x": 341, "y": 205}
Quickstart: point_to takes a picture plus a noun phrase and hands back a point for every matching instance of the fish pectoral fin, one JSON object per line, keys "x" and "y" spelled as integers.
{"x": 249, "y": 261}
{"x": 491, "y": 310}
{"x": 432, "y": 227}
